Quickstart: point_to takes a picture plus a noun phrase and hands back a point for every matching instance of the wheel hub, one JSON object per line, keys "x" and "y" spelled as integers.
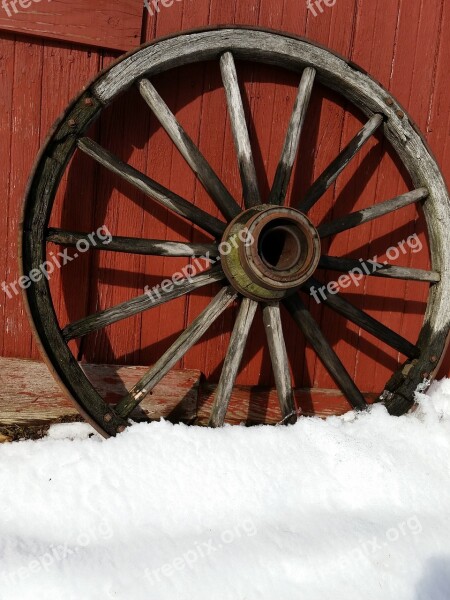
{"x": 269, "y": 251}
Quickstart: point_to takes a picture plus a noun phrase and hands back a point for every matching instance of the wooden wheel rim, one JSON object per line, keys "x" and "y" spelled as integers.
{"x": 278, "y": 49}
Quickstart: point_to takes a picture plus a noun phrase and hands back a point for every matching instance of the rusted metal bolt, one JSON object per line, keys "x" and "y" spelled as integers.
{"x": 108, "y": 417}
{"x": 400, "y": 114}
{"x": 71, "y": 123}
{"x": 89, "y": 102}
{"x": 121, "y": 428}
{"x": 389, "y": 101}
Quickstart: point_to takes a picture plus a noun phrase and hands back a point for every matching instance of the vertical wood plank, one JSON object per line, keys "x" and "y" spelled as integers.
{"x": 159, "y": 330}
{"x": 25, "y": 141}
{"x": 335, "y": 29}
{"x": 65, "y": 71}
{"x": 359, "y": 187}
{"x": 7, "y": 51}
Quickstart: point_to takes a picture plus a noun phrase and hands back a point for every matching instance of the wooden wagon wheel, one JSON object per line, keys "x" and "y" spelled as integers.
{"x": 286, "y": 247}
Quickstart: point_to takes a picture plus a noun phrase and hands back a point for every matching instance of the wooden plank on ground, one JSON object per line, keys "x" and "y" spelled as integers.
{"x": 102, "y": 23}
{"x": 29, "y": 395}
{"x": 254, "y": 405}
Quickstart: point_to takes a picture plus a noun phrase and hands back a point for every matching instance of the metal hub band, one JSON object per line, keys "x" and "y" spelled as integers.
{"x": 269, "y": 251}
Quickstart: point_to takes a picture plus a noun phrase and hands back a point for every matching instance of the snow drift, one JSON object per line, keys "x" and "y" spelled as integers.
{"x": 344, "y": 509}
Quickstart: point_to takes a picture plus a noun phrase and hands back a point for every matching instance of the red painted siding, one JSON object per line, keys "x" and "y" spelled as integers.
{"x": 101, "y": 23}
{"x": 403, "y": 44}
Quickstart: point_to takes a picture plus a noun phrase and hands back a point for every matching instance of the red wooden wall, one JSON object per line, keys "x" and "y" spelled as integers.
{"x": 405, "y": 44}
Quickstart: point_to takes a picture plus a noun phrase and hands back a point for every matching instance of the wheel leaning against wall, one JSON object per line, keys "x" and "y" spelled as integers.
{"x": 287, "y": 247}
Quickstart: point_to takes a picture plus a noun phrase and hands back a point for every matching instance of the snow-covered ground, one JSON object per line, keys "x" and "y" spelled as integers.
{"x": 347, "y": 509}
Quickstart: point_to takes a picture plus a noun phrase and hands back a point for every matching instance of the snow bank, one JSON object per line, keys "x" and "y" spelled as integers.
{"x": 351, "y": 508}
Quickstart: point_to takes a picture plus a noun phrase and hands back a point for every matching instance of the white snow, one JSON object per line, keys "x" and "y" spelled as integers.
{"x": 347, "y": 509}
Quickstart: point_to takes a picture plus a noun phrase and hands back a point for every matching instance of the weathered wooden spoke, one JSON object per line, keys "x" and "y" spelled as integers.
{"x": 376, "y": 269}
{"x": 240, "y": 131}
{"x": 195, "y": 159}
{"x": 373, "y": 212}
{"x": 324, "y": 351}
{"x": 287, "y": 249}
{"x": 280, "y": 362}
{"x": 290, "y": 148}
{"x": 333, "y": 171}
{"x": 153, "y": 297}
{"x": 362, "y": 319}
{"x": 151, "y": 188}
{"x": 131, "y": 245}
{"x": 232, "y": 362}
{"x": 177, "y": 350}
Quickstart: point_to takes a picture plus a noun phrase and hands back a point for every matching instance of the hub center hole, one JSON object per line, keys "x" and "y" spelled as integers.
{"x": 280, "y": 245}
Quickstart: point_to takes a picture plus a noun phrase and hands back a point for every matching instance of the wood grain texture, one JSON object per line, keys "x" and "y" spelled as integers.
{"x": 240, "y": 131}
{"x": 255, "y": 405}
{"x": 337, "y": 302}
{"x": 291, "y": 143}
{"x": 195, "y": 159}
{"x": 381, "y": 36}
{"x": 232, "y": 361}
{"x": 102, "y": 24}
{"x": 376, "y": 269}
{"x": 131, "y": 245}
{"x": 280, "y": 362}
{"x": 164, "y": 196}
{"x": 332, "y": 172}
{"x": 29, "y": 395}
{"x": 369, "y": 99}
{"x": 176, "y": 351}
{"x": 325, "y": 352}
{"x": 151, "y": 299}
{"x": 17, "y": 340}
{"x": 373, "y": 212}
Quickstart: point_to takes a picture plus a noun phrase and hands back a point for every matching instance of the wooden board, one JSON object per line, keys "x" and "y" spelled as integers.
{"x": 29, "y": 394}
{"x": 255, "y": 405}
{"x": 100, "y": 23}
